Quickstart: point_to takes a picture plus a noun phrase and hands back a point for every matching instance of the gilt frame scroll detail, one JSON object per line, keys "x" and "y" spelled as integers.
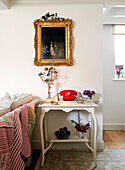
{"x": 53, "y": 42}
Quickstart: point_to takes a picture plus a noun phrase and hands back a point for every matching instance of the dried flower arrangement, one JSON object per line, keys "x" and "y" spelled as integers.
{"x": 49, "y": 76}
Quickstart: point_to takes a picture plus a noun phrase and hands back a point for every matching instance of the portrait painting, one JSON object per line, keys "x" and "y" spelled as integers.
{"x": 53, "y": 42}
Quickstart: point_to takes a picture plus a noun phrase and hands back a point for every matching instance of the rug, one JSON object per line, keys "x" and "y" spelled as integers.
{"x": 74, "y": 160}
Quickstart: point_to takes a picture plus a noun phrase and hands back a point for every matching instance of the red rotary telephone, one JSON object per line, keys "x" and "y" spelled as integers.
{"x": 68, "y": 94}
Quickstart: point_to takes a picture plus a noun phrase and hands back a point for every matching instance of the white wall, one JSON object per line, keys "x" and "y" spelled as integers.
{"x": 114, "y": 91}
{"x": 17, "y": 71}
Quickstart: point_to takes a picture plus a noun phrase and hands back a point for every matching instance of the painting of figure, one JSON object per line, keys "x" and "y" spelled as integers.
{"x": 53, "y": 43}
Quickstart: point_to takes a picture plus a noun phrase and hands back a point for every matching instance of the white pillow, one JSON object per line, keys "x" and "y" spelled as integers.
{"x": 4, "y": 110}
{"x": 6, "y": 100}
{"x": 5, "y": 103}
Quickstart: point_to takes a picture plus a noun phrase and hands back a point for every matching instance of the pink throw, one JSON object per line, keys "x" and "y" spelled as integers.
{"x": 26, "y": 147}
{"x": 6, "y": 137}
{"x": 10, "y": 145}
{"x": 16, "y": 160}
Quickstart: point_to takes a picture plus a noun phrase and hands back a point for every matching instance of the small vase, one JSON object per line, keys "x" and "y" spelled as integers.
{"x": 90, "y": 96}
{"x": 80, "y": 134}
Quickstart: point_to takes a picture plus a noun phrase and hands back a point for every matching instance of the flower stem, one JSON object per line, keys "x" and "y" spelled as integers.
{"x": 78, "y": 117}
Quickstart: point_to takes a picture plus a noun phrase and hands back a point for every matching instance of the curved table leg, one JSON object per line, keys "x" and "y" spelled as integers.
{"x": 95, "y": 135}
{"x": 45, "y": 132}
{"x": 42, "y": 136}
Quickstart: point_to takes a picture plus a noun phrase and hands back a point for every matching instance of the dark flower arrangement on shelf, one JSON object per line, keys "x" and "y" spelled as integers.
{"x": 80, "y": 127}
{"x": 89, "y": 93}
{"x": 63, "y": 133}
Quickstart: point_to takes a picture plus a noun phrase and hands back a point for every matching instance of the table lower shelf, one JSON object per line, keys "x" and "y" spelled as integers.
{"x": 70, "y": 139}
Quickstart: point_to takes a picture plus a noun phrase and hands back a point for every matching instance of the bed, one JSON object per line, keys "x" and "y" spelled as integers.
{"x": 17, "y": 120}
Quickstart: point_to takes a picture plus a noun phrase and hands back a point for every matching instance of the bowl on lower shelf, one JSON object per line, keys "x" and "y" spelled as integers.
{"x": 62, "y": 133}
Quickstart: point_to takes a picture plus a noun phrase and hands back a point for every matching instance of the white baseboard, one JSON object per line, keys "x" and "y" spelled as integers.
{"x": 114, "y": 126}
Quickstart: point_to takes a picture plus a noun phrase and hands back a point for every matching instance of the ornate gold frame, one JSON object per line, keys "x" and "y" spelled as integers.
{"x": 38, "y": 24}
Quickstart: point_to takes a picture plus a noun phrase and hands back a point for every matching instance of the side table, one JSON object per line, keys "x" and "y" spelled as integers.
{"x": 67, "y": 106}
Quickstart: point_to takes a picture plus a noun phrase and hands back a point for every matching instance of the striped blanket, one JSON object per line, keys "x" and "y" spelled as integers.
{"x": 10, "y": 145}
{"x": 12, "y": 138}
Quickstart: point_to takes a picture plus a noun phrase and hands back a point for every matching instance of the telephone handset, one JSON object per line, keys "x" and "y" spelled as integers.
{"x": 68, "y": 94}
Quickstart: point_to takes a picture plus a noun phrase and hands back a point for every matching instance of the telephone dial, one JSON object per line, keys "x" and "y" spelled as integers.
{"x": 68, "y": 94}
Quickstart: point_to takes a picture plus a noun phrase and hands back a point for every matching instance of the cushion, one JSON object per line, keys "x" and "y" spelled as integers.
{"x": 4, "y": 110}
{"x": 32, "y": 104}
{"x": 5, "y": 103}
{"x": 6, "y": 100}
{"x": 22, "y": 99}
{"x": 7, "y": 119}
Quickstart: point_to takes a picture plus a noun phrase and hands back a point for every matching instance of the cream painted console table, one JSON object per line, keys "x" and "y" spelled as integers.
{"x": 68, "y": 106}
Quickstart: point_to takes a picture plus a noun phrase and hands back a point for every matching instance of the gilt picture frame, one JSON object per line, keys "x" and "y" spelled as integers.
{"x": 53, "y": 42}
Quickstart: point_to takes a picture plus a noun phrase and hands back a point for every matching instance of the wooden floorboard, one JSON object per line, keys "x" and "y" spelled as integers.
{"x": 114, "y": 140}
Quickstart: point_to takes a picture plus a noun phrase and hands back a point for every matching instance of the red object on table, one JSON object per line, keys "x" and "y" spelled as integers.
{"x": 68, "y": 94}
